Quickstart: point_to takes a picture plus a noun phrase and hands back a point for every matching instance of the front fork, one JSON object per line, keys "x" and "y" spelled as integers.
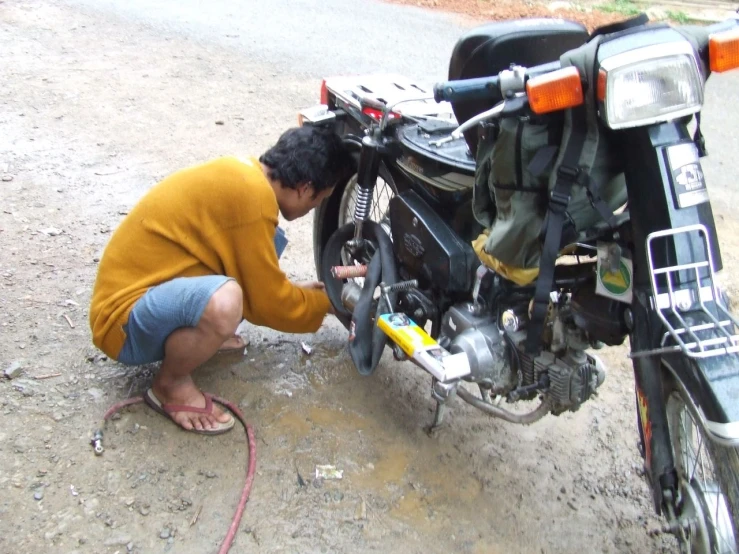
{"x": 657, "y": 160}
{"x": 651, "y": 409}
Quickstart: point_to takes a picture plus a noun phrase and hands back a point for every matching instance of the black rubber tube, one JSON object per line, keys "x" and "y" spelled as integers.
{"x": 366, "y": 340}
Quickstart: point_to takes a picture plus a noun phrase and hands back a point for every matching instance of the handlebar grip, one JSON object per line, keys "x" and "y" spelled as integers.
{"x": 481, "y": 88}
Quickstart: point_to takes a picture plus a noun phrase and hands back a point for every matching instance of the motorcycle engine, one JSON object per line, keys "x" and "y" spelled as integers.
{"x": 572, "y": 375}
{"x": 478, "y": 336}
{"x": 566, "y": 374}
{"x": 573, "y": 378}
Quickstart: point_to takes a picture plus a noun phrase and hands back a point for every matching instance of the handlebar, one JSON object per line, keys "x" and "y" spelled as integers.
{"x": 490, "y": 88}
{"x": 481, "y": 88}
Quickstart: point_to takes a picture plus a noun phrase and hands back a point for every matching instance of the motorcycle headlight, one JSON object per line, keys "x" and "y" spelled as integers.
{"x": 650, "y": 85}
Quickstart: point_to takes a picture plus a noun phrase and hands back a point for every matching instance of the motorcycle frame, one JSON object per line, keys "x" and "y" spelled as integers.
{"x": 653, "y": 207}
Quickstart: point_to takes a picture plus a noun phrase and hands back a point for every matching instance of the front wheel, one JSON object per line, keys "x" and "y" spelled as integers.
{"x": 708, "y": 479}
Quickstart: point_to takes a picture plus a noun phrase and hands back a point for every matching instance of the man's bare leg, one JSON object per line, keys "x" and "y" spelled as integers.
{"x": 189, "y": 347}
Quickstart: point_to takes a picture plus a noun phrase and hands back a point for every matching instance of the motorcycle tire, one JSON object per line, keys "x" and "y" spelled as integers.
{"x": 717, "y": 495}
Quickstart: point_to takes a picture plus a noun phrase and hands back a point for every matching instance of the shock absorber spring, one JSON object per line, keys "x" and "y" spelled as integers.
{"x": 363, "y": 205}
{"x": 367, "y": 173}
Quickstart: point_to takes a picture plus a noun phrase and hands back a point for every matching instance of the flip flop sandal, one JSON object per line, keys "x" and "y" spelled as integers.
{"x": 239, "y": 348}
{"x": 168, "y": 409}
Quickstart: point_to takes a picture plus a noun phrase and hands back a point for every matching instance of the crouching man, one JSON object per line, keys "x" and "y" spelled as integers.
{"x": 198, "y": 254}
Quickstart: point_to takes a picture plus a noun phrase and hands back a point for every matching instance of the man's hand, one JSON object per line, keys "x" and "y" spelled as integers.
{"x": 311, "y": 285}
{"x": 317, "y": 285}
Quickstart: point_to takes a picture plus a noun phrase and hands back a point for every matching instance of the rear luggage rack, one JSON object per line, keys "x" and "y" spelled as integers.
{"x": 386, "y": 91}
{"x": 693, "y": 298}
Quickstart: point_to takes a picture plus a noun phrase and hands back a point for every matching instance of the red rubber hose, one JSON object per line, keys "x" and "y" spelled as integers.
{"x": 251, "y": 457}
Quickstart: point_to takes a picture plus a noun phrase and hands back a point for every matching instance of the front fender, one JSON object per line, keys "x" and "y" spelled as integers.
{"x": 713, "y": 384}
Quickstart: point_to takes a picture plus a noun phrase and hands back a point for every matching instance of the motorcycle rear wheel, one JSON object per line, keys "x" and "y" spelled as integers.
{"x": 338, "y": 210}
{"x": 709, "y": 479}
{"x": 379, "y": 209}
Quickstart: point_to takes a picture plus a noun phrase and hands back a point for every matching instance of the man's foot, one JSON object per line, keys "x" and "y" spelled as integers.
{"x": 182, "y": 394}
{"x": 232, "y": 344}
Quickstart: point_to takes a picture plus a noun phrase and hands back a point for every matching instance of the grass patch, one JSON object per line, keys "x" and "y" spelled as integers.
{"x": 630, "y": 8}
{"x": 623, "y": 7}
{"x": 679, "y": 17}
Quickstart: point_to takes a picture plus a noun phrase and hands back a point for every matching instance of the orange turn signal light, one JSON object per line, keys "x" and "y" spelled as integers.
{"x": 601, "y": 88}
{"x": 723, "y": 50}
{"x": 555, "y": 91}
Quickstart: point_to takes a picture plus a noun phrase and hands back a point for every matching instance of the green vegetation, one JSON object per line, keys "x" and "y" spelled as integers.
{"x": 679, "y": 17}
{"x": 623, "y": 7}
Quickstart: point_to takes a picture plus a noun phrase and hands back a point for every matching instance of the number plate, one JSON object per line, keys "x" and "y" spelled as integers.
{"x": 688, "y": 180}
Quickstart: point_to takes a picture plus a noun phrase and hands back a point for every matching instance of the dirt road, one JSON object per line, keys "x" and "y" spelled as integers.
{"x": 98, "y": 101}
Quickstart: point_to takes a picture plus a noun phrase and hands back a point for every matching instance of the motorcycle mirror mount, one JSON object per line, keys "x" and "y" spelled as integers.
{"x": 458, "y": 133}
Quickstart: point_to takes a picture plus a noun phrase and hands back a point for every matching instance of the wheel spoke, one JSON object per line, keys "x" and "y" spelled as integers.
{"x": 351, "y": 203}
{"x": 378, "y": 207}
{"x": 685, "y": 461}
{"x": 375, "y": 207}
{"x": 721, "y": 538}
{"x": 384, "y": 203}
{"x": 700, "y": 480}
{"x": 382, "y": 194}
{"x": 699, "y": 458}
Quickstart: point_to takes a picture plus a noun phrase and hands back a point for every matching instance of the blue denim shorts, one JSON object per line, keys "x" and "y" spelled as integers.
{"x": 167, "y": 307}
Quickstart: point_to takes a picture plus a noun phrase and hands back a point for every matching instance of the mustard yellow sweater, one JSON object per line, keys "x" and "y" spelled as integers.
{"x": 218, "y": 218}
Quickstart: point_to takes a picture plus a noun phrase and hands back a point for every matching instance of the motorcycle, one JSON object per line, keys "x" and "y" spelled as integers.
{"x": 393, "y": 247}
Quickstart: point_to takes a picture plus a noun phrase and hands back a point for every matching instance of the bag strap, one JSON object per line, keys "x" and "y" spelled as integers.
{"x": 568, "y": 174}
{"x": 593, "y": 190}
{"x": 543, "y": 158}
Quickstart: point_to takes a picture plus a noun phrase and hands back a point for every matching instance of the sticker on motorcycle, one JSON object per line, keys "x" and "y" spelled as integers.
{"x": 422, "y": 348}
{"x": 615, "y": 278}
{"x": 405, "y": 332}
{"x": 688, "y": 180}
{"x": 646, "y": 425}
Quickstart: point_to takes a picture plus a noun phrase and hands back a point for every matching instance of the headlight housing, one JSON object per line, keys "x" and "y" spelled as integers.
{"x": 650, "y": 85}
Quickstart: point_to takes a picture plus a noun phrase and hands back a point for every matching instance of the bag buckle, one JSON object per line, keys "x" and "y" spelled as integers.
{"x": 567, "y": 173}
{"x": 540, "y": 308}
{"x": 558, "y": 201}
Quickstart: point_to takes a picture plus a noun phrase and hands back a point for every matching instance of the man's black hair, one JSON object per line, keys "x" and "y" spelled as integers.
{"x": 309, "y": 155}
